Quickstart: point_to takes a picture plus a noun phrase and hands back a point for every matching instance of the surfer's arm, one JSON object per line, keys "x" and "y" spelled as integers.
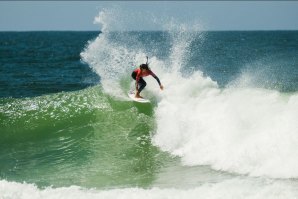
{"x": 157, "y": 79}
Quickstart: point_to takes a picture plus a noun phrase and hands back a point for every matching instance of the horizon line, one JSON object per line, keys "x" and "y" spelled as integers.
{"x": 219, "y": 30}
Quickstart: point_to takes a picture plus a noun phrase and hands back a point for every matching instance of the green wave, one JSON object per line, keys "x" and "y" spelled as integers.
{"x": 84, "y": 138}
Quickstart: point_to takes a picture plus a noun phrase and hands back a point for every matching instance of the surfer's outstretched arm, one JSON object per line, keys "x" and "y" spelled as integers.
{"x": 157, "y": 79}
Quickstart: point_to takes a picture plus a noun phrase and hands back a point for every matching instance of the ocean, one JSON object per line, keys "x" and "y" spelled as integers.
{"x": 225, "y": 125}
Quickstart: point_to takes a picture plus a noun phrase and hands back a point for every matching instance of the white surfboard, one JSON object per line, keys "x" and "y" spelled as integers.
{"x": 132, "y": 94}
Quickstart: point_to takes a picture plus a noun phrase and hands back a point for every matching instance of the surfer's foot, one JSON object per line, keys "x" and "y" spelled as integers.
{"x": 138, "y": 96}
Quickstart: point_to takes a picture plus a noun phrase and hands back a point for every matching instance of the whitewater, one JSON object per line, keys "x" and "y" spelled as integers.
{"x": 234, "y": 141}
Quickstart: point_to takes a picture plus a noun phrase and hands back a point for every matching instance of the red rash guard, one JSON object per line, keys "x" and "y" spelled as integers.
{"x": 144, "y": 74}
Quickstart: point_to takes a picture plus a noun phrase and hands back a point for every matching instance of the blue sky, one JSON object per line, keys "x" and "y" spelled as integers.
{"x": 212, "y": 15}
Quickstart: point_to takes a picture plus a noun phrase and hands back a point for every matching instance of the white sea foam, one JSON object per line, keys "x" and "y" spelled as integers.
{"x": 235, "y": 188}
{"x": 114, "y": 54}
{"x": 248, "y": 130}
{"x": 245, "y": 130}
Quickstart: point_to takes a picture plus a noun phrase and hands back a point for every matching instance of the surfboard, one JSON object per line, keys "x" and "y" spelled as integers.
{"x": 131, "y": 94}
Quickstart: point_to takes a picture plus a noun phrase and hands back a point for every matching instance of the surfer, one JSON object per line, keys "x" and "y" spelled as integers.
{"x": 138, "y": 75}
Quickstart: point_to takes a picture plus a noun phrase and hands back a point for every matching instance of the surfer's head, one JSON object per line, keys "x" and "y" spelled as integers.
{"x": 144, "y": 66}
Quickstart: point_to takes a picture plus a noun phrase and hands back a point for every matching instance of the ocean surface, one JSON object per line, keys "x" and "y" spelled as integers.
{"x": 225, "y": 125}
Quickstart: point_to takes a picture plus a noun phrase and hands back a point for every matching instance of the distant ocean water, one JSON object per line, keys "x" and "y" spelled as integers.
{"x": 37, "y": 63}
{"x": 225, "y": 125}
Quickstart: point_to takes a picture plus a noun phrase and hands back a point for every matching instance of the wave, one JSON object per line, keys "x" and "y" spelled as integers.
{"x": 75, "y": 138}
{"x": 246, "y": 130}
{"x": 240, "y": 128}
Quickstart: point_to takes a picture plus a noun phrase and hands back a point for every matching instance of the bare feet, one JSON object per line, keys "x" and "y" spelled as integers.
{"x": 138, "y": 96}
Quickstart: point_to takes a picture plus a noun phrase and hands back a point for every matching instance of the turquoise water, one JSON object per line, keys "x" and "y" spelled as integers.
{"x": 224, "y": 126}
{"x": 78, "y": 138}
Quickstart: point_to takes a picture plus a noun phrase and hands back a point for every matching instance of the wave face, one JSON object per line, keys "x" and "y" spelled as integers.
{"x": 225, "y": 124}
{"x": 83, "y": 138}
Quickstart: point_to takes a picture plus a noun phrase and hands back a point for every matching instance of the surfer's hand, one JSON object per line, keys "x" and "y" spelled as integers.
{"x": 161, "y": 87}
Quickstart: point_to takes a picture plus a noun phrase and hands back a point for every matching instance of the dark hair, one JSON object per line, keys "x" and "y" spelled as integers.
{"x": 144, "y": 66}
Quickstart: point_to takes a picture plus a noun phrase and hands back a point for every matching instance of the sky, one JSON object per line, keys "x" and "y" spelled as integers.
{"x": 144, "y": 15}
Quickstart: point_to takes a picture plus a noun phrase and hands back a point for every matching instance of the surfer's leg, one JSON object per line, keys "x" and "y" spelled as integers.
{"x": 134, "y": 75}
{"x": 142, "y": 84}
